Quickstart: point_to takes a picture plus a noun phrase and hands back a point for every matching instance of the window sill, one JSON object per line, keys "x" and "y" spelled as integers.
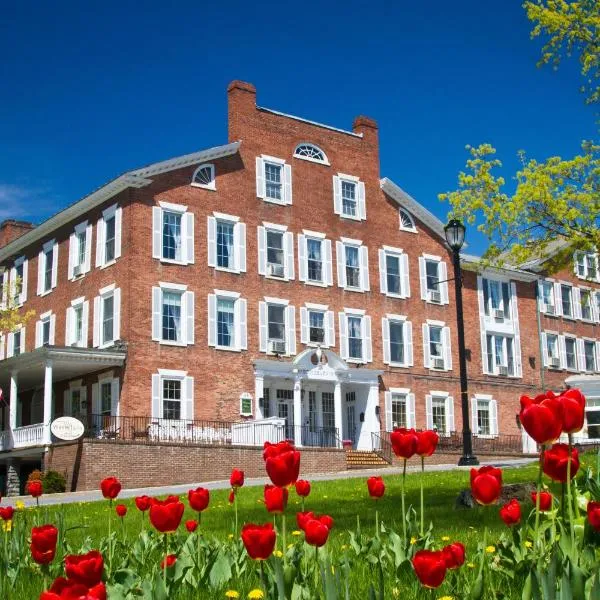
{"x": 399, "y": 365}
{"x": 227, "y": 349}
{"x": 275, "y": 201}
{"x": 316, "y": 283}
{"x": 351, "y": 218}
{"x": 107, "y": 344}
{"x": 246, "y": 416}
{"x": 317, "y": 344}
{"x": 353, "y": 289}
{"x": 202, "y": 186}
{"x": 108, "y": 264}
{"x": 274, "y": 278}
{"x": 45, "y": 293}
{"x": 356, "y": 361}
{"x": 171, "y": 261}
{"x": 172, "y": 343}
{"x": 226, "y": 270}
{"x": 396, "y": 296}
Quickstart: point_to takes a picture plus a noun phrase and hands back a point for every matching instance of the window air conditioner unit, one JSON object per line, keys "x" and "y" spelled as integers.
{"x": 502, "y": 370}
{"x": 498, "y": 314}
{"x": 438, "y": 363}
{"x": 276, "y": 346}
{"x": 435, "y": 296}
{"x": 275, "y": 270}
{"x": 77, "y": 270}
{"x": 550, "y": 309}
{"x": 554, "y": 362}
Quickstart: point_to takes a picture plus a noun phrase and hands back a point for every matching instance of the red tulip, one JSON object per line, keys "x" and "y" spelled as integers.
{"x": 143, "y": 503}
{"x": 326, "y": 520}
{"x": 593, "y": 513}
{"x": 43, "y": 544}
{"x": 34, "y": 488}
{"x": 303, "y": 517}
{"x": 237, "y": 478}
{"x": 282, "y": 464}
{"x": 198, "y": 499}
{"x": 573, "y": 410}
{"x": 259, "y": 540}
{"x": 166, "y": 515}
{"x": 542, "y": 417}
{"x": 454, "y": 555}
{"x": 64, "y": 589}
{"x": 110, "y": 487}
{"x": 270, "y": 450}
{"x": 376, "y": 487}
{"x": 316, "y": 532}
{"x": 430, "y": 567}
{"x": 486, "y": 484}
{"x": 191, "y": 525}
{"x": 302, "y": 488}
{"x": 168, "y": 561}
{"x": 510, "y": 513}
{"x": 121, "y": 510}
{"x": 404, "y": 442}
{"x": 427, "y": 442}
{"x": 231, "y": 497}
{"x": 556, "y": 459}
{"x": 6, "y": 513}
{"x": 276, "y": 499}
{"x": 545, "y": 500}
{"x": 85, "y": 568}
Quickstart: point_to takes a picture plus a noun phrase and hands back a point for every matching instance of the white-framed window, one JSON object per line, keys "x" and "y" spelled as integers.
{"x": 277, "y": 327}
{"x": 245, "y": 404}
{"x": 107, "y": 316}
{"x": 355, "y": 336}
{"x": 15, "y": 342}
{"x": 433, "y": 275}
{"x": 407, "y": 223}
{"x": 314, "y": 259}
{"x": 172, "y": 233}
{"x": 172, "y": 314}
{"x": 47, "y": 267}
{"x": 352, "y": 265}
{"x": 592, "y": 417}
{"x": 18, "y": 280}
{"x": 551, "y": 346}
{"x": 568, "y": 349}
{"x": 547, "y": 297}
{"x": 484, "y": 415}
{"x": 399, "y": 409}
{"x": 77, "y": 318}
{"x": 496, "y": 298}
{"x": 108, "y": 236}
{"x": 227, "y": 321}
{"x": 172, "y": 395}
{"x": 4, "y": 287}
{"x": 393, "y": 272}
{"x": 566, "y": 300}
{"x": 439, "y": 412}
{"x": 586, "y": 265}
{"x": 273, "y": 180}
{"x": 597, "y": 304}
{"x": 226, "y": 243}
{"x": 585, "y": 303}
{"x": 275, "y": 251}
{"x": 437, "y": 351}
{"x": 105, "y": 399}
{"x": 500, "y": 355}
{"x": 590, "y": 356}
{"x": 204, "y": 177}
{"x": 80, "y": 250}
{"x": 75, "y": 400}
{"x": 397, "y": 341}
{"x": 45, "y": 329}
{"x": 349, "y": 197}
{"x": 317, "y": 325}
{"x": 311, "y": 152}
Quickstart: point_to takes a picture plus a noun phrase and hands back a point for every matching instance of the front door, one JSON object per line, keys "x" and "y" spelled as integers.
{"x": 351, "y": 422}
{"x": 285, "y": 410}
{"x": 329, "y": 434}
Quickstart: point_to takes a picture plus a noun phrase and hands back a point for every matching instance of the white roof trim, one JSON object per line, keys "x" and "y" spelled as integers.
{"x": 137, "y": 178}
{"x": 468, "y": 260}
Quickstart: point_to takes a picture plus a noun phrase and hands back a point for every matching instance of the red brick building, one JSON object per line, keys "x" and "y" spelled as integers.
{"x": 277, "y": 284}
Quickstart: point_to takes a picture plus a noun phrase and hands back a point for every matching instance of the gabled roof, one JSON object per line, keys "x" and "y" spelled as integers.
{"x": 137, "y": 178}
{"x": 472, "y": 263}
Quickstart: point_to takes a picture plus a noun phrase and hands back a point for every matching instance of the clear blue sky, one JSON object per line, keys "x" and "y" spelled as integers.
{"x": 89, "y": 90}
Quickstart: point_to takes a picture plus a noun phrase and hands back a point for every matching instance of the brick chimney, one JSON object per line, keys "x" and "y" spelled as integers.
{"x": 241, "y": 104}
{"x": 368, "y": 128}
{"x": 10, "y": 230}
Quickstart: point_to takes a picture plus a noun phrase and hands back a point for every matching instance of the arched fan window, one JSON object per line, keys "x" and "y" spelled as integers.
{"x": 204, "y": 177}
{"x": 310, "y": 152}
{"x": 407, "y": 223}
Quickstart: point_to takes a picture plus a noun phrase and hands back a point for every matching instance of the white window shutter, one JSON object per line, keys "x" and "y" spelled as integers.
{"x": 260, "y": 177}
{"x": 405, "y": 275}
{"x": 304, "y": 326}
{"x": 411, "y": 421}
{"x": 118, "y": 228}
{"x": 99, "y": 242}
{"x": 212, "y": 320}
{"x": 562, "y": 351}
{"x": 212, "y": 242}
{"x": 343, "y": 336}
{"x": 330, "y": 328}
{"x": 52, "y": 329}
{"x": 428, "y": 412}
{"x": 577, "y": 303}
{"x": 385, "y": 333}
{"x": 54, "y": 264}
{"x": 597, "y": 356}
{"x": 341, "y": 266}
{"x": 494, "y": 417}
{"x": 187, "y": 411}
{"x": 482, "y": 329}
{"x": 88, "y": 248}
{"x": 38, "y": 334}
{"x": 474, "y": 419}
{"x": 557, "y": 299}
{"x": 328, "y": 262}
{"x": 423, "y": 278}
{"x": 95, "y": 398}
{"x": 85, "y": 318}
{"x": 545, "y": 349}
{"x": 156, "y": 232}
{"x": 517, "y": 339}
{"x": 389, "y": 425}
{"x": 367, "y": 344}
{"x": 291, "y": 330}
{"x": 382, "y": 272}
{"x": 40, "y": 282}
{"x": 72, "y": 250}
{"x": 443, "y": 270}
{"x": 117, "y": 314}
{"x": 69, "y": 337}
{"x": 24, "y": 281}
{"x": 540, "y": 291}
{"x": 241, "y": 321}
{"x": 287, "y": 183}
{"x": 157, "y": 412}
{"x": 262, "y": 326}
{"x": 240, "y": 245}
{"x": 189, "y": 301}
{"x": 580, "y": 354}
{"x": 114, "y": 397}
{"x": 426, "y": 359}
{"x": 447, "y": 348}
{"x": 262, "y": 250}
{"x": 337, "y": 195}
{"x": 2, "y": 344}
{"x": 302, "y": 267}
{"x": 67, "y": 404}
{"x": 450, "y": 415}
{"x": 10, "y": 345}
{"x": 362, "y": 204}
{"x": 288, "y": 239}
{"x": 364, "y": 268}
{"x": 408, "y": 344}
{"x": 188, "y": 222}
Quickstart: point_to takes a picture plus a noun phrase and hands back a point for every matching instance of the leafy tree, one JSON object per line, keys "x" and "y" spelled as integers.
{"x": 11, "y": 315}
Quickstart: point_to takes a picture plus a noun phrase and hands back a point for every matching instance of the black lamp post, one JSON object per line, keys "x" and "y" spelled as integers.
{"x": 455, "y": 236}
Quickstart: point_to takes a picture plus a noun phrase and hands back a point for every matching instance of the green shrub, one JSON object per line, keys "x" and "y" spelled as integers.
{"x": 54, "y": 482}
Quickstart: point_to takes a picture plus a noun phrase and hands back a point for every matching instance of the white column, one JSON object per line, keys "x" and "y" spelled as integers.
{"x": 337, "y": 408}
{"x": 47, "y": 401}
{"x": 371, "y": 423}
{"x": 12, "y": 399}
{"x": 298, "y": 412}
{"x": 259, "y": 385}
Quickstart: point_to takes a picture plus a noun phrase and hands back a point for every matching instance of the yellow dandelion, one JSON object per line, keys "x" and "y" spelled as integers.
{"x": 490, "y": 549}
{"x": 296, "y": 532}
{"x": 413, "y": 541}
{"x": 396, "y": 592}
{"x": 256, "y": 594}
{"x": 231, "y": 594}
{"x": 344, "y": 547}
{"x": 230, "y": 536}
{"x": 19, "y": 505}
{"x": 446, "y": 598}
{"x": 278, "y": 553}
{"x": 7, "y": 525}
{"x": 445, "y": 538}
{"x": 528, "y": 544}
{"x": 470, "y": 565}
{"x": 290, "y": 546}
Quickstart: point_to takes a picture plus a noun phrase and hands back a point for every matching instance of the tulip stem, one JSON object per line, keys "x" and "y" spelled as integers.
{"x": 422, "y": 504}
{"x": 198, "y": 540}
{"x": 261, "y": 572}
{"x": 283, "y": 534}
{"x": 376, "y": 523}
{"x": 110, "y": 502}
{"x": 403, "y": 504}
{"x": 165, "y": 561}
{"x": 235, "y": 507}
{"x": 569, "y": 498}
{"x": 537, "y": 497}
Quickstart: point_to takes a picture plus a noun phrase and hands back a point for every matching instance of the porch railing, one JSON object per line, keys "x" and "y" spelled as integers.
{"x": 321, "y": 437}
{"x": 29, "y": 435}
{"x": 382, "y": 446}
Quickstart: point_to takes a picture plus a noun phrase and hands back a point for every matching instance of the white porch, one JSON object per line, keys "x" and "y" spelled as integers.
{"x": 322, "y": 400}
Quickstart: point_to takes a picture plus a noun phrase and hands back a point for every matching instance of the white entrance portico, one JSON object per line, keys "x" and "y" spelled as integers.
{"x": 322, "y": 399}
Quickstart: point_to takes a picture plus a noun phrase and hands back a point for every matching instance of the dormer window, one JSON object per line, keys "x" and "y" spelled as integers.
{"x": 407, "y": 223}
{"x": 310, "y": 152}
{"x": 204, "y": 177}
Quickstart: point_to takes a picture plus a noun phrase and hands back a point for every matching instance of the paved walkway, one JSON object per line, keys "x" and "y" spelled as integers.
{"x": 93, "y": 495}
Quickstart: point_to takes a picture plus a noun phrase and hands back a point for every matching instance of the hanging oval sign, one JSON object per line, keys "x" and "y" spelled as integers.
{"x": 67, "y": 428}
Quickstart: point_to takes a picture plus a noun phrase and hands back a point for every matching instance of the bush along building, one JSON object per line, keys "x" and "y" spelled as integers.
{"x": 273, "y": 287}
